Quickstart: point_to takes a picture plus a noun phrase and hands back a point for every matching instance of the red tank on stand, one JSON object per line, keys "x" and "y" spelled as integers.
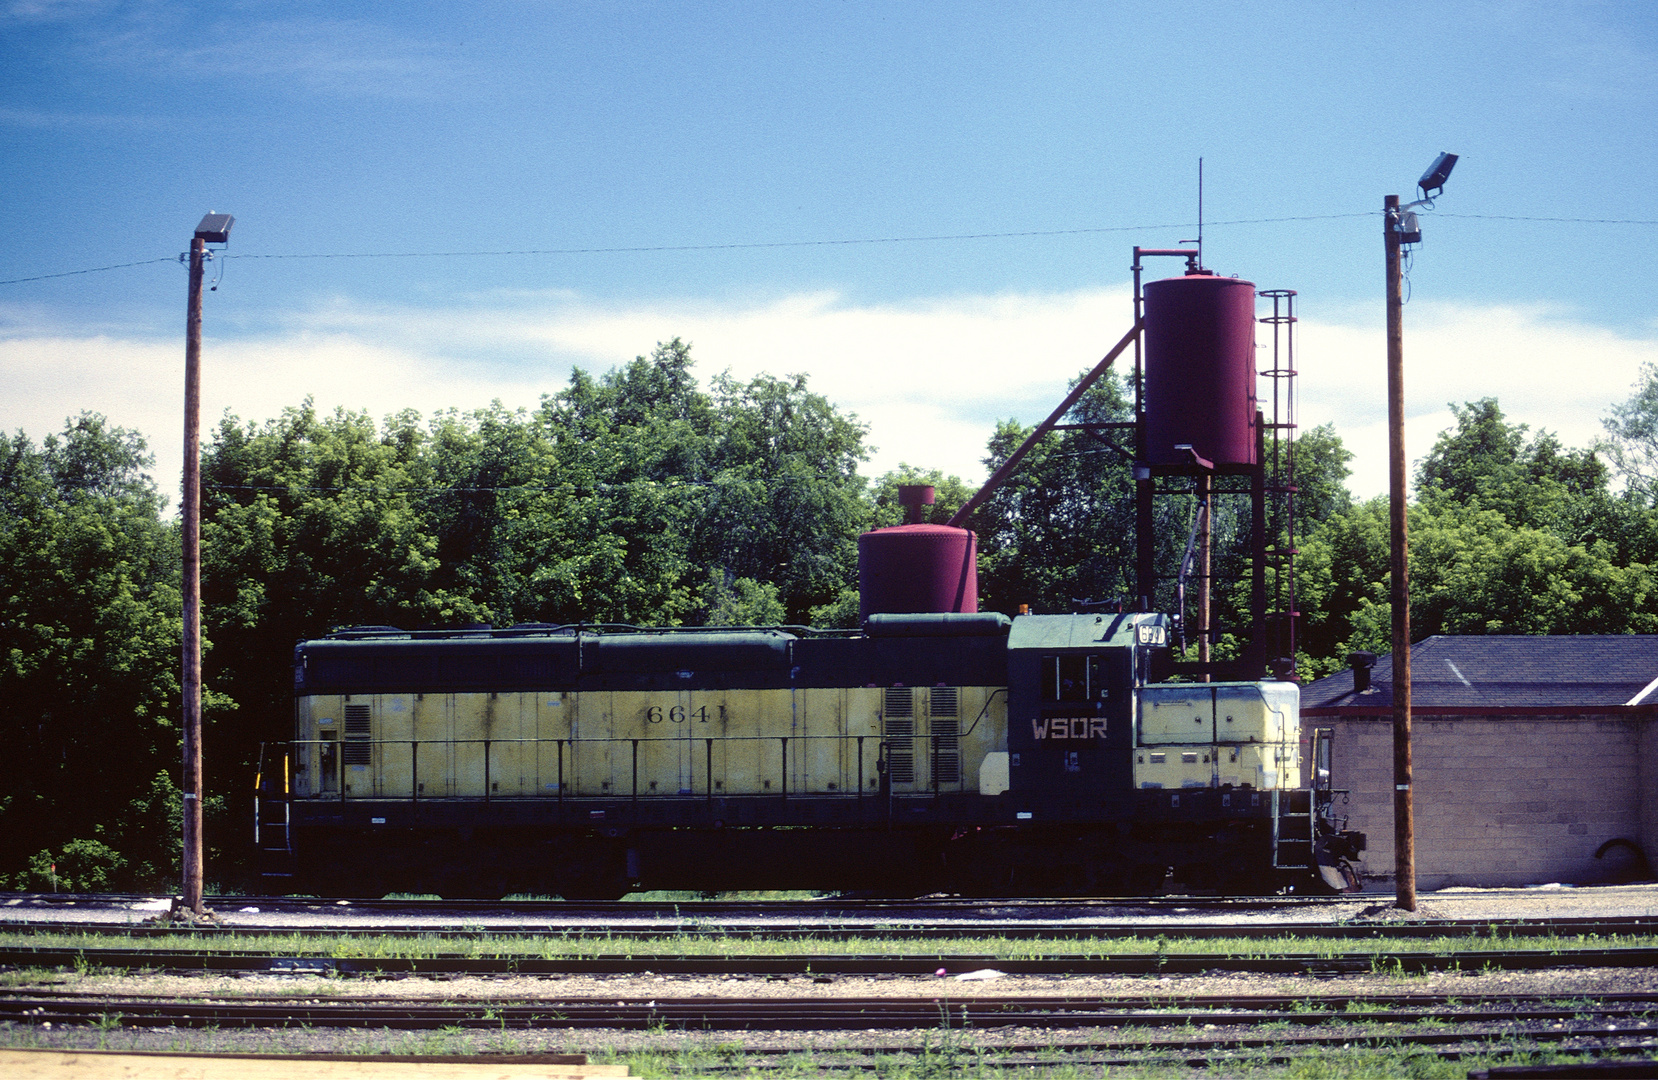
{"x": 1200, "y": 370}
{"x": 917, "y": 568}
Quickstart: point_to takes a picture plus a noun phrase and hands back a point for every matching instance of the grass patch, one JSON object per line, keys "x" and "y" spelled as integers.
{"x": 943, "y": 1051}
{"x": 1380, "y": 951}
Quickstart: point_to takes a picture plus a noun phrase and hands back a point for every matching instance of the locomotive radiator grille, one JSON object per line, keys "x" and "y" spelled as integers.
{"x": 357, "y": 749}
{"x": 944, "y": 710}
{"x": 898, "y": 727}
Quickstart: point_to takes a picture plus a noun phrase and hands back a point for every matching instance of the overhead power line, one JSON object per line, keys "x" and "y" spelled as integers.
{"x": 762, "y": 245}
{"x": 1558, "y": 220}
{"x": 90, "y": 270}
{"x": 794, "y": 243}
{"x": 646, "y": 248}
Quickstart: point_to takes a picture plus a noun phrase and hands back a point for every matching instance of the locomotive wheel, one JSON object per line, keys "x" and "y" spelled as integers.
{"x": 595, "y": 881}
{"x": 1146, "y": 879}
{"x": 595, "y": 890}
{"x": 467, "y": 887}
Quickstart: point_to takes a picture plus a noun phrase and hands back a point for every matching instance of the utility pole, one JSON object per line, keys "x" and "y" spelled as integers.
{"x": 1404, "y": 823}
{"x": 1400, "y": 227}
{"x": 214, "y": 227}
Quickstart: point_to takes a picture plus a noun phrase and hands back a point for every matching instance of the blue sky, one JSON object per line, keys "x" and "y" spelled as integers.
{"x": 512, "y": 126}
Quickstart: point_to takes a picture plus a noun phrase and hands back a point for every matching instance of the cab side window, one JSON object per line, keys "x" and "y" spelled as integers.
{"x": 1073, "y": 677}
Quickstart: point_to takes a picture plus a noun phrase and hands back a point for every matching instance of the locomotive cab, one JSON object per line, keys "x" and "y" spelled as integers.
{"x": 1071, "y": 682}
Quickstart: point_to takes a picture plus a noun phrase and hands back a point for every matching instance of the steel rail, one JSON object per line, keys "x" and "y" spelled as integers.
{"x": 742, "y": 1013}
{"x": 1327, "y": 1004}
{"x": 1153, "y": 1048}
{"x": 829, "y": 964}
{"x": 1348, "y": 1032}
{"x": 1591, "y": 1063}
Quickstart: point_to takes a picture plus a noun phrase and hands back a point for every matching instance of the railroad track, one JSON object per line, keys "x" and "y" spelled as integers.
{"x": 1631, "y": 1013}
{"x": 1617, "y": 1033}
{"x": 1048, "y": 931}
{"x": 1126, "y": 963}
{"x": 856, "y": 907}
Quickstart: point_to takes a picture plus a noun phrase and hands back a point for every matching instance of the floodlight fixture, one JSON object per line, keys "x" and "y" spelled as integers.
{"x": 1433, "y": 181}
{"x": 215, "y": 228}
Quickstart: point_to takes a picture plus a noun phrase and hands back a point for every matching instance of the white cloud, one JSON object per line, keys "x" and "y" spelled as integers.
{"x": 48, "y": 11}
{"x": 329, "y": 55}
{"x": 929, "y": 378}
{"x": 342, "y": 56}
{"x": 1545, "y": 369}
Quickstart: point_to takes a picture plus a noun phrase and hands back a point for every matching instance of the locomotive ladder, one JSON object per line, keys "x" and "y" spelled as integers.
{"x": 1296, "y": 811}
{"x": 1292, "y": 829}
{"x": 273, "y": 840}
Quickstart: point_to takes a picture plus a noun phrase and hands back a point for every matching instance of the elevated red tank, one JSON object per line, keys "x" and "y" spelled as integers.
{"x": 917, "y": 567}
{"x": 1200, "y": 370}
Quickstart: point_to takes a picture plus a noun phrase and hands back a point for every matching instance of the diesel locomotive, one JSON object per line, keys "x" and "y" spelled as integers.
{"x": 958, "y": 752}
{"x": 934, "y": 748}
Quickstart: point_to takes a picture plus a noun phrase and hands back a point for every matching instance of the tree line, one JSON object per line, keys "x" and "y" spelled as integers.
{"x": 640, "y": 496}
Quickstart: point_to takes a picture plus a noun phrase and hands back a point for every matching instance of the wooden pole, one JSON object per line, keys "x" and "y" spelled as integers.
{"x": 1404, "y": 824}
{"x": 192, "y": 586}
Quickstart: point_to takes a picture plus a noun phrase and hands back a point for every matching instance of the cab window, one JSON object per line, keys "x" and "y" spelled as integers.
{"x": 1073, "y": 677}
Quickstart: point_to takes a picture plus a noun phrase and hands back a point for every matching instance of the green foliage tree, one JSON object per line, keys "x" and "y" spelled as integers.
{"x": 785, "y": 499}
{"x": 309, "y": 523}
{"x": 671, "y": 495}
{"x": 1632, "y": 434}
{"x": 1489, "y": 463}
{"x": 631, "y": 497}
{"x": 1512, "y": 533}
{"x": 90, "y": 630}
{"x": 1341, "y": 574}
{"x": 79, "y": 866}
{"x": 1321, "y": 472}
{"x": 1060, "y": 529}
{"x": 949, "y": 495}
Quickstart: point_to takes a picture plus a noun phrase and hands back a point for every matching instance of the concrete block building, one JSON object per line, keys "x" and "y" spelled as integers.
{"x": 1535, "y": 759}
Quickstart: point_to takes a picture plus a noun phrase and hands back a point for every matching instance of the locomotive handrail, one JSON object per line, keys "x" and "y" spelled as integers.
{"x": 619, "y": 739}
{"x": 338, "y": 772}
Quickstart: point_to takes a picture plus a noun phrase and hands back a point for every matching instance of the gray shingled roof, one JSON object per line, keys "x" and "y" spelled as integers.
{"x": 1508, "y": 671}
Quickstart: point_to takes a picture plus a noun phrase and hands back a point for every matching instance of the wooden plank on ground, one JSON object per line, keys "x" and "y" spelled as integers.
{"x": 114, "y": 1065}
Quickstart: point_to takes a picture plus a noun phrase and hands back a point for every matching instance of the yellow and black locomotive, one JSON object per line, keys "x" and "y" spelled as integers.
{"x": 960, "y": 752}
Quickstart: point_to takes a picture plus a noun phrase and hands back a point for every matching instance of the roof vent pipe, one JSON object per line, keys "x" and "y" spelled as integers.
{"x": 915, "y": 498}
{"x": 1361, "y": 663}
